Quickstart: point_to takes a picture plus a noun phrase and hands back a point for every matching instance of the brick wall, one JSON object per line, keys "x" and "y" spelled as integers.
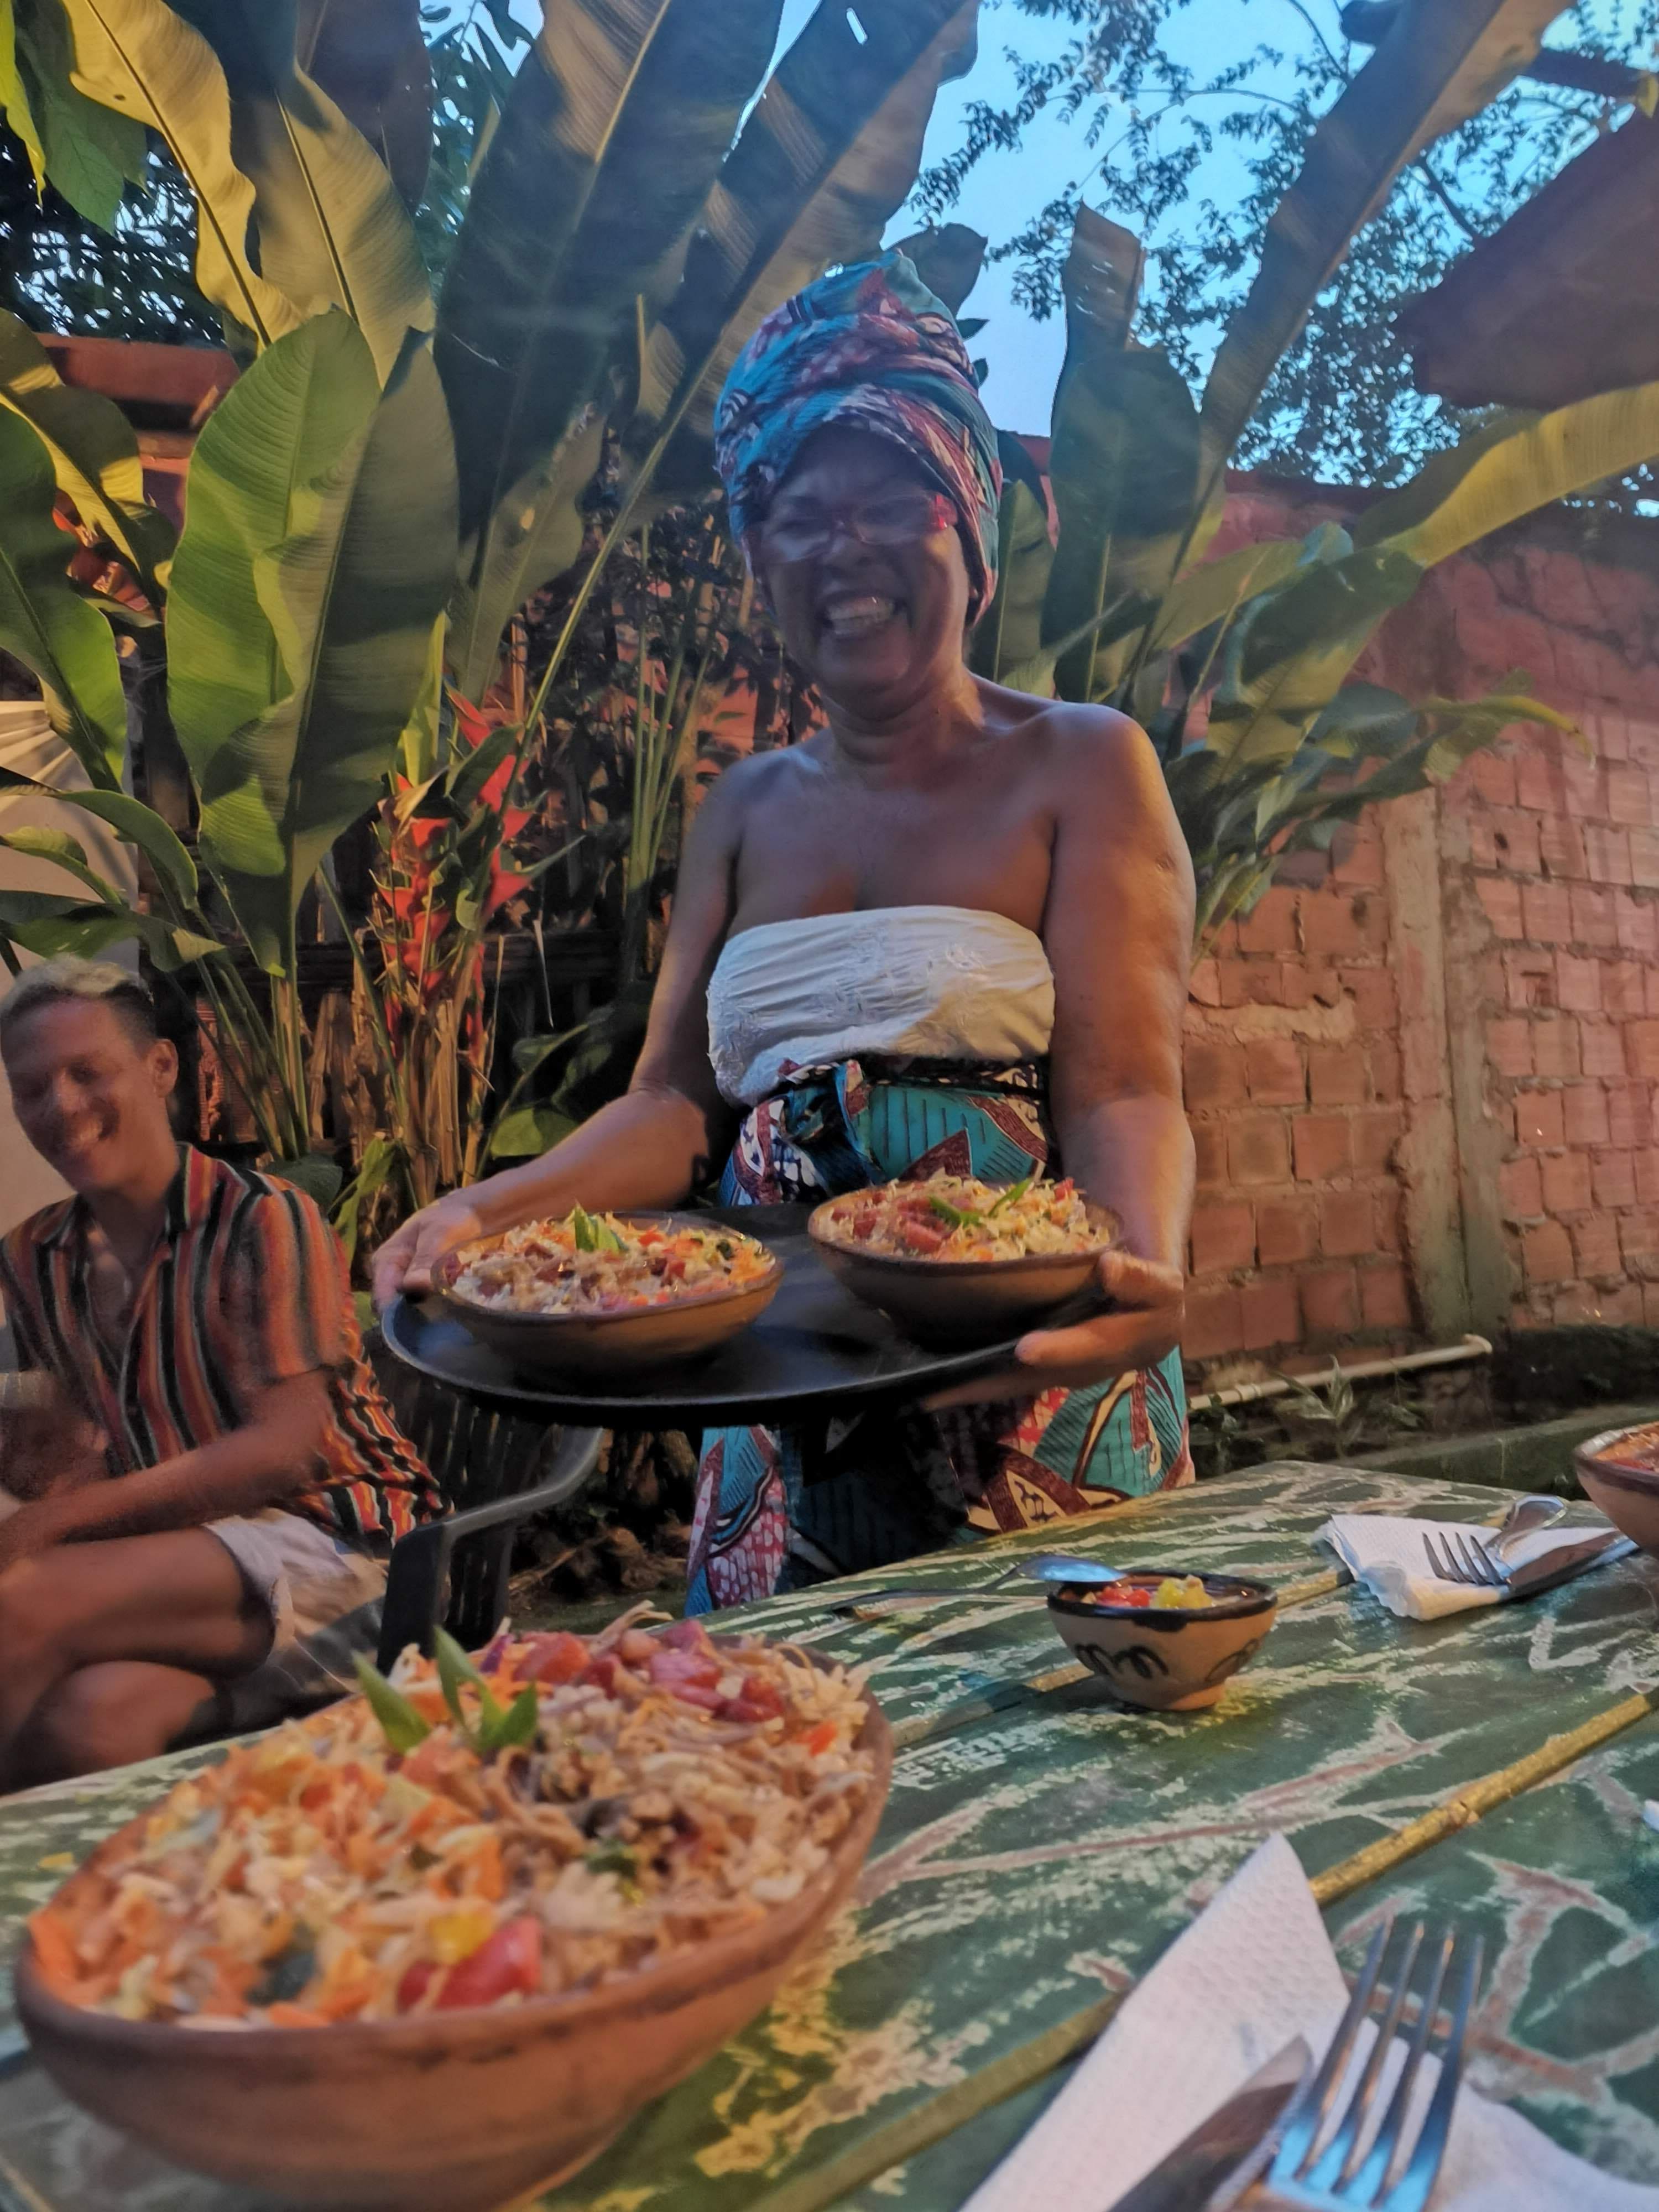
{"x": 1308, "y": 1078}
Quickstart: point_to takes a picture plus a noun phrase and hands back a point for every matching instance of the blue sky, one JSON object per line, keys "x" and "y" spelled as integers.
{"x": 1007, "y": 189}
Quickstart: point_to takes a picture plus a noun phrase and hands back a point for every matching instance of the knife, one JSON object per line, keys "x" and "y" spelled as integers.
{"x": 1566, "y": 1563}
{"x": 1232, "y": 2146}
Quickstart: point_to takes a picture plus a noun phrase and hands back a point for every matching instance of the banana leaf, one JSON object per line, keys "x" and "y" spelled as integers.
{"x": 371, "y": 60}
{"x": 820, "y": 167}
{"x": 1291, "y": 647}
{"x": 610, "y": 141}
{"x": 1511, "y": 466}
{"x": 15, "y": 103}
{"x": 320, "y": 544}
{"x": 1009, "y": 634}
{"x": 47, "y": 923}
{"x": 1124, "y": 464}
{"x": 43, "y": 621}
{"x": 144, "y": 61}
{"x": 1441, "y": 61}
{"x": 332, "y": 231}
{"x": 88, "y": 153}
{"x": 94, "y": 453}
{"x": 948, "y": 258}
{"x": 130, "y": 818}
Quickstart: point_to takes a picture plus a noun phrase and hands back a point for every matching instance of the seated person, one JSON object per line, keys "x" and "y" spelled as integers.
{"x": 205, "y": 1545}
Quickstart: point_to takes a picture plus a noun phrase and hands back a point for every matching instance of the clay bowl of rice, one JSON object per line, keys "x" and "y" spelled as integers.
{"x": 432, "y": 1948}
{"x": 952, "y": 1260}
{"x": 593, "y": 1297}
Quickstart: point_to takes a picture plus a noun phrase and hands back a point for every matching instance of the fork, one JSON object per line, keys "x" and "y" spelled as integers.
{"x": 1463, "y": 1559}
{"x": 1344, "y": 2172}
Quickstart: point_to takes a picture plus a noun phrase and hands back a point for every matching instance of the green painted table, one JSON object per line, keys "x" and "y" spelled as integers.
{"x": 1041, "y": 1847}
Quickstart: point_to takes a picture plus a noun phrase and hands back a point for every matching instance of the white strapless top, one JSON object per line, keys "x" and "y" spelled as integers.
{"x": 939, "y": 983}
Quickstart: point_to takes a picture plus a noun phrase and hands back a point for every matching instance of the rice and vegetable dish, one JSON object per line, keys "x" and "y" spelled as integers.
{"x": 950, "y": 1217}
{"x": 598, "y": 1264}
{"x": 562, "y": 1813}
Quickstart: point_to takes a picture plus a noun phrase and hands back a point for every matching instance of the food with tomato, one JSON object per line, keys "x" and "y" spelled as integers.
{"x": 559, "y": 1812}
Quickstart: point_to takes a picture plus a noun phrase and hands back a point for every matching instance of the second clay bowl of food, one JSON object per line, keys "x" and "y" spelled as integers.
{"x": 896, "y": 1247}
{"x": 1619, "y": 1471}
{"x": 1177, "y": 1655}
{"x": 678, "y": 1289}
{"x": 438, "y": 2110}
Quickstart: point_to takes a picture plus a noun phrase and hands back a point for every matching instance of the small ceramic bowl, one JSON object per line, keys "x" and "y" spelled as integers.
{"x": 941, "y": 1302}
{"x": 600, "y": 1347}
{"x": 1168, "y": 1659}
{"x": 442, "y": 2112}
{"x": 1619, "y": 1471}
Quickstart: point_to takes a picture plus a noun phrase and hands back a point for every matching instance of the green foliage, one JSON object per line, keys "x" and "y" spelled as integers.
{"x": 317, "y": 555}
{"x": 43, "y": 621}
{"x": 1196, "y": 139}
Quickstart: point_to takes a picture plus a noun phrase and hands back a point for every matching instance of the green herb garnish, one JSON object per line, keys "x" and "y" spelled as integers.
{"x": 954, "y": 1215}
{"x": 1013, "y": 1195}
{"x": 401, "y": 1725}
{"x": 499, "y": 1726}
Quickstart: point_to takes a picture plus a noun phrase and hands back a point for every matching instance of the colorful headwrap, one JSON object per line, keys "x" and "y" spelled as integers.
{"x": 870, "y": 347}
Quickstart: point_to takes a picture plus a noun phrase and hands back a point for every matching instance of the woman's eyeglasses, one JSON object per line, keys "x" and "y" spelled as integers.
{"x": 806, "y": 533}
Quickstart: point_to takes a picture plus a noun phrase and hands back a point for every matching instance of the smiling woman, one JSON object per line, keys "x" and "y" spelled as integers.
{"x": 949, "y": 933}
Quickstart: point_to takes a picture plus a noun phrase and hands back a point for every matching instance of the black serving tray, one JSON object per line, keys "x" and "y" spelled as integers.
{"x": 815, "y": 1352}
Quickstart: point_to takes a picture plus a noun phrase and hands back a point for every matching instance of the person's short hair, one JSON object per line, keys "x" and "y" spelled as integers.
{"x": 67, "y": 979}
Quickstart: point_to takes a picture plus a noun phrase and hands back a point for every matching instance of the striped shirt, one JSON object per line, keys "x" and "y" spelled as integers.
{"x": 246, "y": 1287}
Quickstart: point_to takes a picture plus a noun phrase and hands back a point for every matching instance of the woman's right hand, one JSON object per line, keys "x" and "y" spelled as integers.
{"x": 404, "y": 1262}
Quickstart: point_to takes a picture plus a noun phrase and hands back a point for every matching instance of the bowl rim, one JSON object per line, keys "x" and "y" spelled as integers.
{"x": 700, "y": 1967}
{"x": 443, "y": 1283}
{"x": 1598, "y": 1454}
{"x": 918, "y": 1264}
{"x": 1250, "y": 1596}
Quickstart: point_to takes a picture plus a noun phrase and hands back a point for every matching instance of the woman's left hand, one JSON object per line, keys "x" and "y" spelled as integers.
{"x": 1148, "y": 1307}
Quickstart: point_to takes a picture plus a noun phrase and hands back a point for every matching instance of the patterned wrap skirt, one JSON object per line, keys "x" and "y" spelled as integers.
{"x": 776, "y": 1511}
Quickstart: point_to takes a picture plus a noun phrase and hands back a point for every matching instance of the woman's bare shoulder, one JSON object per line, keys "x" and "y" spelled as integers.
{"x": 1072, "y": 738}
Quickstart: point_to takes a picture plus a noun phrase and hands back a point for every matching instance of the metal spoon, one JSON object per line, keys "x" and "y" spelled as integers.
{"x": 1042, "y": 1567}
{"x": 1525, "y": 1518}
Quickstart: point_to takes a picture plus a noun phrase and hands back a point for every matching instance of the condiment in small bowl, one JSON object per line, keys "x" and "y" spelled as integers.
{"x": 1166, "y": 1658}
{"x": 1619, "y": 1471}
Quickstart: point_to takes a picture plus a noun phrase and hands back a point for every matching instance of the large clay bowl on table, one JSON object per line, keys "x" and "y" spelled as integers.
{"x": 459, "y": 2112}
{"x": 1619, "y": 1471}
{"x": 1169, "y": 1659}
{"x": 946, "y": 1302}
{"x": 600, "y": 1347}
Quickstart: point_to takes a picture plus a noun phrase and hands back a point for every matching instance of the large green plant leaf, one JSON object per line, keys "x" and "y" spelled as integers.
{"x": 43, "y": 621}
{"x": 1440, "y": 62}
{"x": 320, "y": 544}
{"x": 1510, "y": 467}
{"x": 332, "y": 230}
{"x": 50, "y": 922}
{"x": 612, "y": 137}
{"x": 87, "y": 152}
{"x": 94, "y": 453}
{"x": 15, "y": 103}
{"x": 948, "y": 258}
{"x": 1291, "y": 647}
{"x": 130, "y": 818}
{"x": 1125, "y": 461}
{"x": 1215, "y": 590}
{"x": 371, "y": 60}
{"x": 818, "y": 171}
{"x": 1010, "y": 632}
{"x": 140, "y": 58}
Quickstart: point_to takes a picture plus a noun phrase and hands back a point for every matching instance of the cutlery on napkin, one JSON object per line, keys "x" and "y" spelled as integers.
{"x": 1252, "y": 1971}
{"x": 1386, "y": 1553}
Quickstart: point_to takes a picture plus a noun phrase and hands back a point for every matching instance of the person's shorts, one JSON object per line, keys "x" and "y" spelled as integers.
{"x": 325, "y": 1597}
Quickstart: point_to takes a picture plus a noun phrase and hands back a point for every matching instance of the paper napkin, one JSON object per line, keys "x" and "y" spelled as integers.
{"x": 1388, "y": 1556}
{"x": 1253, "y": 1970}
